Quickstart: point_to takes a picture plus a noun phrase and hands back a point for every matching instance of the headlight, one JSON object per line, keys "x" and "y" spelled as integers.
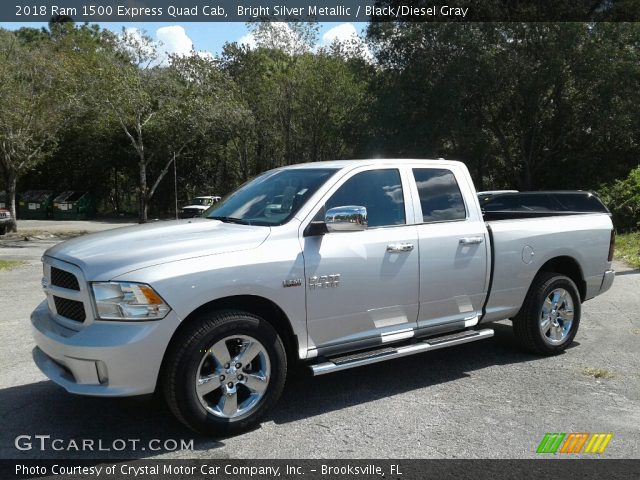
{"x": 128, "y": 301}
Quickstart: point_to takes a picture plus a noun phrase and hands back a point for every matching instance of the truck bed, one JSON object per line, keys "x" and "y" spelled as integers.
{"x": 522, "y": 244}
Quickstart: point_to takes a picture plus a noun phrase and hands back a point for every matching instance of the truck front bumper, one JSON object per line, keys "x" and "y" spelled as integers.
{"x": 104, "y": 358}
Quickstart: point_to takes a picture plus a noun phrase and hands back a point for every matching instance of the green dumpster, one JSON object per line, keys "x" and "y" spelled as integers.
{"x": 35, "y": 205}
{"x": 74, "y": 206}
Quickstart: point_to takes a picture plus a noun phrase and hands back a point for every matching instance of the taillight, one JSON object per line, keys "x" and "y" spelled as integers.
{"x": 612, "y": 244}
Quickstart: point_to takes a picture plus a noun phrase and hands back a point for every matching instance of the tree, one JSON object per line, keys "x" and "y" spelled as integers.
{"x": 32, "y": 109}
{"x": 200, "y": 111}
{"x": 161, "y": 109}
{"x": 305, "y": 106}
{"x": 125, "y": 79}
{"x": 518, "y": 102}
{"x": 122, "y": 80}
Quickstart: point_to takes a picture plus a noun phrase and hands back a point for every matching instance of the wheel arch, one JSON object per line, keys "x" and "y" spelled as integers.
{"x": 257, "y": 305}
{"x": 569, "y": 267}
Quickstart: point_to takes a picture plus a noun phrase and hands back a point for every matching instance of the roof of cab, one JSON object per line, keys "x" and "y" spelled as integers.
{"x": 339, "y": 164}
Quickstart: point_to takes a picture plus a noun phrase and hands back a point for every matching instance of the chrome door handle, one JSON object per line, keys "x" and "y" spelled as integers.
{"x": 399, "y": 247}
{"x": 471, "y": 240}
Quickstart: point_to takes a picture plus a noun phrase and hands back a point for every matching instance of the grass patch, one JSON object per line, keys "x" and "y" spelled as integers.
{"x": 628, "y": 248}
{"x": 10, "y": 264}
{"x": 598, "y": 372}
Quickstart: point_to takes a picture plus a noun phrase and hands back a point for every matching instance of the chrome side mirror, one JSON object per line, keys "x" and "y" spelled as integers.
{"x": 351, "y": 218}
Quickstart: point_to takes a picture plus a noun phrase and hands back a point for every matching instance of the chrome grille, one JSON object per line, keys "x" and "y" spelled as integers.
{"x": 67, "y": 293}
{"x": 71, "y": 309}
{"x": 62, "y": 279}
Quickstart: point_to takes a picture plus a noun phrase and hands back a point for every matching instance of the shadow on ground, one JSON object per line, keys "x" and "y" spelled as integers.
{"x": 46, "y": 409}
{"x": 306, "y": 396}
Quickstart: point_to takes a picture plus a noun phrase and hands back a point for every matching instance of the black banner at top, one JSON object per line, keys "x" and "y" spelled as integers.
{"x": 321, "y": 10}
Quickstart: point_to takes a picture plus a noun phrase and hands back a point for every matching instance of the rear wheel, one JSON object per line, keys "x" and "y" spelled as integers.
{"x": 549, "y": 319}
{"x": 224, "y": 372}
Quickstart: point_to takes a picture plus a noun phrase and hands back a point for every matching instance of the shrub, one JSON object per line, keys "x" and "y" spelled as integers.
{"x": 623, "y": 199}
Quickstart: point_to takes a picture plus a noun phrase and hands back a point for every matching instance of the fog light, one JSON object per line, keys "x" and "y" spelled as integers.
{"x": 101, "y": 368}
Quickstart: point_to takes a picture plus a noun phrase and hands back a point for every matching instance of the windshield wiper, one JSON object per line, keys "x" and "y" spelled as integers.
{"x": 231, "y": 220}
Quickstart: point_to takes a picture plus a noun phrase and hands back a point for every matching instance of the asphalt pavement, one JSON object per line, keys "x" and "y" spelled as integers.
{"x": 487, "y": 399}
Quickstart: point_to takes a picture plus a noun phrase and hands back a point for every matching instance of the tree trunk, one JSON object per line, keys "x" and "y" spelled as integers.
{"x": 116, "y": 187}
{"x": 144, "y": 210}
{"x": 12, "y": 180}
{"x": 480, "y": 174}
{"x": 142, "y": 194}
{"x": 526, "y": 179}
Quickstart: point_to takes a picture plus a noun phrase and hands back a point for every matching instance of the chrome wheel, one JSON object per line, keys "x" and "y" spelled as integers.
{"x": 233, "y": 376}
{"x": 556, "y": 316}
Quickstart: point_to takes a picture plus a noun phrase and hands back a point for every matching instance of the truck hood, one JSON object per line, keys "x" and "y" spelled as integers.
{"x": 106, "y": 255}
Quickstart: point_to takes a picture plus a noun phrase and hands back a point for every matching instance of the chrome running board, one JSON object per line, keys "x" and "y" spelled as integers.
{"x": 389, "y": 352}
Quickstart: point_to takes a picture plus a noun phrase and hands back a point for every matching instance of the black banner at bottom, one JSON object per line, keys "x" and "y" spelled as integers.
{"x": 542, "y": 469}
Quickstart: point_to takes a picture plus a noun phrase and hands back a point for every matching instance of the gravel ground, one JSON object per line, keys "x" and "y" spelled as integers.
{"x": 482, "y": 400}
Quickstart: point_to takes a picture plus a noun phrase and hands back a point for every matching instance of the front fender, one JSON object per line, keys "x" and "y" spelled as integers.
{"x": 188, "y": 284}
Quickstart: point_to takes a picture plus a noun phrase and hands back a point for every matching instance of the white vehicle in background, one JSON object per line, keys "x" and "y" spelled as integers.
{"x": 198, "y": 205}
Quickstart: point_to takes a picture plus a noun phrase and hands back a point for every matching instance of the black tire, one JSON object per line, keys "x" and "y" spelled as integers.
{"x": 183, "y": 363}
{"x": 526, "y": 325}
{"x": 3, "y": 229}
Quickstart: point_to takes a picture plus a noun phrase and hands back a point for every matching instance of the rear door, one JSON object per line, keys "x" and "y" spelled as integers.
{"x": 453, "y": 245}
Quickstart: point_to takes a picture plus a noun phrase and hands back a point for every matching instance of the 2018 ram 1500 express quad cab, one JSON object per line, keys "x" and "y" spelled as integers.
{"x": 360, "y": 262}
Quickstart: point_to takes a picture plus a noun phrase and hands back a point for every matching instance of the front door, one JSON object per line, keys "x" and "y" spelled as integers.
{"x": 362, "y": 286}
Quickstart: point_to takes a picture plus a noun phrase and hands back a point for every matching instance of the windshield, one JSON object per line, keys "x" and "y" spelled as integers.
{"x": 271, "y": 198}
{"x": 201, "y": 201}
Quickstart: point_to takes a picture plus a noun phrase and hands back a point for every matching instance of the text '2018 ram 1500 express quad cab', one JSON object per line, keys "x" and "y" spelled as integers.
{"x": 336, "y": 264}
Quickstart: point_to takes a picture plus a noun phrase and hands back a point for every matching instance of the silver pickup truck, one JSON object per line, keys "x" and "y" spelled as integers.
{"x": 334, "y": 264}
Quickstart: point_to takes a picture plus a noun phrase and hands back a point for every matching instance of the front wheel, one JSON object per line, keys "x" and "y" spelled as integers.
{"x": 224, "y": 371}
{"x": 549, "y": 319}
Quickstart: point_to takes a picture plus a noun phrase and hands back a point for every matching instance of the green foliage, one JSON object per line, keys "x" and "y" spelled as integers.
{"x": 623, "y": 199}
{"x": 30, "y": 115}
{"x": 628, "y": 248}
{"x": 304, "y": 107}
{"x": 525, "y": 105}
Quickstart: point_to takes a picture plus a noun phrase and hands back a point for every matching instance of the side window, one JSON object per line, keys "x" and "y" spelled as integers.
{"x": 440, "y": 195}
{"x": 380, "y": 191}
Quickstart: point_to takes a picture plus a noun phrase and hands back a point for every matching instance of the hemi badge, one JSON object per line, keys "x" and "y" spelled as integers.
{"x": 292, "y": 283}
